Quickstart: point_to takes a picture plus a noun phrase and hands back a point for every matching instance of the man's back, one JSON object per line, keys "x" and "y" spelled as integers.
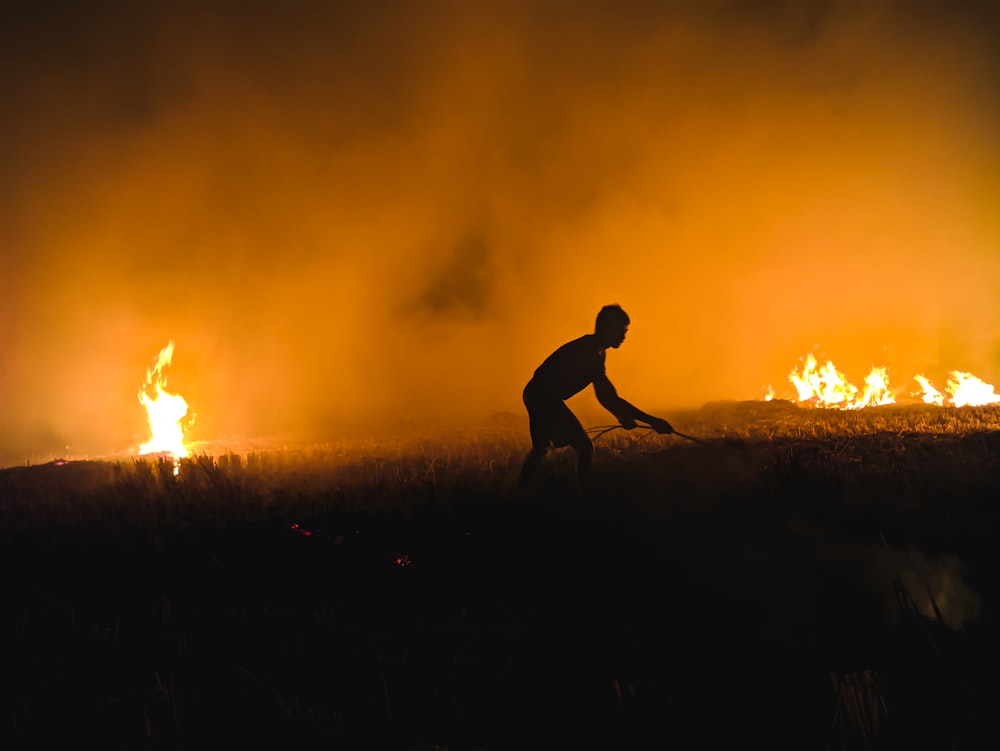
{"x": 571, "y": 368}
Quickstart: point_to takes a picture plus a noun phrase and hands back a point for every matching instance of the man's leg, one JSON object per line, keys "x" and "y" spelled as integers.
{"x": 584, "y": 461}
{"x": 568, "y": 431}
{"x": 540, "y": 429}
{"x": 531, "y": 463}
{"x": 584, "y": 448}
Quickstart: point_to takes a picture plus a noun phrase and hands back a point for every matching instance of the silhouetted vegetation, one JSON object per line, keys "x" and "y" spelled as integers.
{"x": 797, "y": 578}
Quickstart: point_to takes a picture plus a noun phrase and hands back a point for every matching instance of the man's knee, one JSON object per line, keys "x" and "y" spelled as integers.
{"x": 536, "y": 454}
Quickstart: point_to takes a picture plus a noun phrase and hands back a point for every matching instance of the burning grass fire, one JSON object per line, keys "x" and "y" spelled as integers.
{"x": 826, "y": 386}
{"x": 165, "y": 412}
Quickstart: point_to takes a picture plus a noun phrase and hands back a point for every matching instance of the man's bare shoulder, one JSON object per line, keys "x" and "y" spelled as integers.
{"x": 587, "y": 342}
{"x": 578, "y": 352}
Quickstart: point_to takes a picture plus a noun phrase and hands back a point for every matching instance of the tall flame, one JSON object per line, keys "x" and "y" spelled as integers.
{"x": 164, "y": 411}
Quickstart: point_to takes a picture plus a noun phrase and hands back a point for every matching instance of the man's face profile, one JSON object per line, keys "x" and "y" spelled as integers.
{"x": 614, "y": 334}
{"x": 619, "y": 335}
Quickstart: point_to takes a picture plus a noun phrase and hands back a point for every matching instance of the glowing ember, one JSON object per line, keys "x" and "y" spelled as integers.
{"x": 164, "y": 411}
{"x": 825, "y": 386}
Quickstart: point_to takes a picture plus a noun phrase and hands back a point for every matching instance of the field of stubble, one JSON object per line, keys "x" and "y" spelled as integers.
{"x": 797, "y": 579}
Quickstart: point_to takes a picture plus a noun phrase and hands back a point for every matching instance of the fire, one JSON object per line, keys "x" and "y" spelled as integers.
{"x": 164, "y": 411}
{"x": 825, "y": 386}
{"x": 964, "y": 389}
{"x": 929, "y": 394}
{"x": 876, "y": 391}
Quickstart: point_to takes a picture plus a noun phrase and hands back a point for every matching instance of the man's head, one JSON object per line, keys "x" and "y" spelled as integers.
{"x": 612, "y": 323}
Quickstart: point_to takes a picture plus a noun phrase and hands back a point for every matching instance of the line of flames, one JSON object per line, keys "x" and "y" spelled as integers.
{"x": 825, "y": 386}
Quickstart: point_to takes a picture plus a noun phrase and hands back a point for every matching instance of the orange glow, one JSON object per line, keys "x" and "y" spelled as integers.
{"x": 164, "y": 411}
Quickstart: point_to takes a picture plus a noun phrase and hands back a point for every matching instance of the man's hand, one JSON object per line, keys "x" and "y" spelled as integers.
{"x": 660, "y": 425}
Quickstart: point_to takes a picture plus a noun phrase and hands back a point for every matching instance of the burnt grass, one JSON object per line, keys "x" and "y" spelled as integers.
{"x": 793, "y": 580}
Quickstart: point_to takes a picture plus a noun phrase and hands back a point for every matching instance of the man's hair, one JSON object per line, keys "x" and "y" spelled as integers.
{"x": 611, "y": 315}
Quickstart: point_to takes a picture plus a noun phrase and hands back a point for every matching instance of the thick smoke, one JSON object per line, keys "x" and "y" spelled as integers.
{"x": 366, "y": 216}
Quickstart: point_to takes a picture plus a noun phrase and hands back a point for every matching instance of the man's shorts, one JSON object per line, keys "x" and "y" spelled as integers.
{"x": 550, "y": 421}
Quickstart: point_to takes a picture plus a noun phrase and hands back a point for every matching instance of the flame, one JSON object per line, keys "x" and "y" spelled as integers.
{"x": 964, "y": 390}
{"x": 825, "y": 386}
{"x": 968, "y": 390}
{"x": 164, "y": 411}
{"x": 876, "y": 391}
{"x": 929, "y": 394}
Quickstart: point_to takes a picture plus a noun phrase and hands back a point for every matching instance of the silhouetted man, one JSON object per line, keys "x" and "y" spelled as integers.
{"x": 566, "y": 372}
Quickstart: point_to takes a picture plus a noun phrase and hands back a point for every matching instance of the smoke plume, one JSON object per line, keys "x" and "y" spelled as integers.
{"x": 363, "y": 216}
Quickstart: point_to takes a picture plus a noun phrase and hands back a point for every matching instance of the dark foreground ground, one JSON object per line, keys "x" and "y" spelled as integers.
{"x": 803, "y": 592}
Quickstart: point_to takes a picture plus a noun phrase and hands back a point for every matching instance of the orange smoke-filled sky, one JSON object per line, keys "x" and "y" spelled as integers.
{"x": 374, "y": 215}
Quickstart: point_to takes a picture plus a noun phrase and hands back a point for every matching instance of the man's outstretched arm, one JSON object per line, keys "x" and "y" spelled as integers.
{"x": 626, "y": 412}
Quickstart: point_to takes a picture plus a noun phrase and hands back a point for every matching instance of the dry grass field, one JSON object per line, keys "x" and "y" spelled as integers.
{"x": 795, "y": 578}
